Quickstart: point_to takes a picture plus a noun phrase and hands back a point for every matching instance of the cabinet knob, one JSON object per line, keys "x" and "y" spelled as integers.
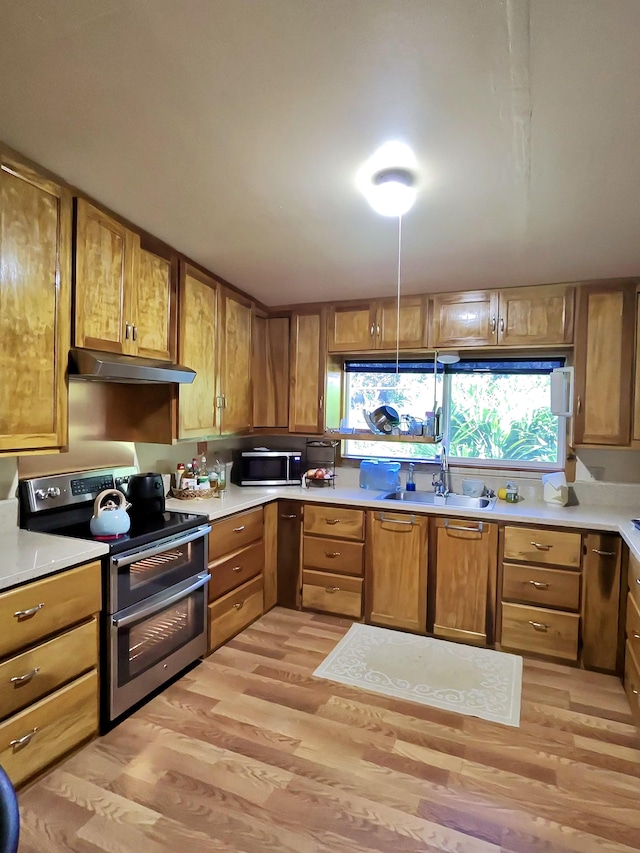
{"x": 372, "y": 329}
{"x": 636, "y": 636}
{"x": 239, "y": 605}
{"x": 332, "y": 554}
{"x": 539, "y": 626}
{"x": 31, "y": 611}
{"x": 236, "y": 569}
{"x": 332, "y": 589}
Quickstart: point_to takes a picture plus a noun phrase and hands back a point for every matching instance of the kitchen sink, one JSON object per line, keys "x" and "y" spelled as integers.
{"x": 451, "y": 500}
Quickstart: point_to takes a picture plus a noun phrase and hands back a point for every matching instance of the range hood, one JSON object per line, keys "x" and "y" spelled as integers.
{"x": 111, "y": 367}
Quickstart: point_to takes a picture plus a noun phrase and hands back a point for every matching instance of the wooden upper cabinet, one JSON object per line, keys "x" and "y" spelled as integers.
{"x": 396, "y": 570}
{"x": 412, "y": 327}
{"x": 234, "y": 393}
{"x": 464, "y": 319}
{"x": 306, "y": 381}
{"x": 35, "y": 287}
{"x": 466, "y": 560}
{"x": 636, "y": 395}
{"x": 197, "y": 410}
{"x": 355, "y": 327}
{"x": 270, "y": 345}
{"x": 605, "y": 326}
{"x": 536, "y": 315}
{"x": 124, "y": 294}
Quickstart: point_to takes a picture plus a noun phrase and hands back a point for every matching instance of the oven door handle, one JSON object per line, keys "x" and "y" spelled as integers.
{"x": 145, "y": 612}
{"x": 143, "y": 553}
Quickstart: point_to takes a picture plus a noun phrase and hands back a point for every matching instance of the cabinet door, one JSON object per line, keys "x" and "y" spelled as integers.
{"x": 396, "y": 570}
{"x": 35, "y": 276}
{"x": 352, "y": 327}
{"x": 103, "y": 283}
{"x": 155, "y": 322}
{"x": 198, "y": 415}
{"x": 466, "y": 555}
{"x": 289, "y": 538}
{"x": 270, "y": 344}
{"x": 235, "y": 364}
{"x": 536, "y": 315}
{"x": 636, "y": 395}
{"x": 306, "y": 384}
{"x": 601, "y": 640}
{"x": 413, "y": 324}
{"x": 603, "y": 363}
{"x": 464, "y": 319}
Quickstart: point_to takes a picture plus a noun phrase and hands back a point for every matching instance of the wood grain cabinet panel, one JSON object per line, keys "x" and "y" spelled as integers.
{"x": 396, "y": 571}
{"x": 234, "y": 393}
{"x": 155, "y": 306}
{"x": 604, "y": 363}
{"x": 352, "y": 327}
{"x": 636, "y": 389}
{"x": 306, "y": 380}
{"x": 601, "y": 606}
{"x": 237, "y": 531}
{"x": 197, "y": 343}
{"x": 36, "y": 737}
{"x": 543, "y": 587}
{"x": 34, "y": 611}
{"x": 536, "y": 315}
{"x": 553, "y": 633}
{"x": 333, "y": 555}
{"x": 633, "y": 577}
{"x": 536, "y": 545}
{"x": 331, "y": 593}
{"x": 372, "y": 325}
{"x": 464, "y": 319}
{"x": 632, "y": 683}
{"x": 270, "y": 360}
{"x": 29, "y": 676}
{"x": 235, "y": 569}
{"x": 234, "y": 611}
{"x": 35, "y": 294}
{"x": 466, "y": 560}
{"x": 334, "y": 521}
{"x": 633, "y": 627}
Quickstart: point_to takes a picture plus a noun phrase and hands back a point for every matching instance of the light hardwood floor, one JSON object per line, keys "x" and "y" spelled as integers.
{"x": 248, "y": 752}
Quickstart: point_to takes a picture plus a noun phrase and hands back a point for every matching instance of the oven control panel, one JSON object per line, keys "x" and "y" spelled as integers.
{"x": 63, "y": 490}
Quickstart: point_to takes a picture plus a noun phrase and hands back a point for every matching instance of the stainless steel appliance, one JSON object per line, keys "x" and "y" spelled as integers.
{"x": 268, "y": 468}
{"x": 154, "y": 578}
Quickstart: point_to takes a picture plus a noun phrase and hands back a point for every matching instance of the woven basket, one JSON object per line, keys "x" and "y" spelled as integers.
{"x": 193, "y": 495}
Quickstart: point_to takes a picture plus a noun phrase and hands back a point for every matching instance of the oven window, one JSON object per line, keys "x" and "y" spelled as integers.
{"x": 146, "y": 643}
{"x": 150, "y": 568}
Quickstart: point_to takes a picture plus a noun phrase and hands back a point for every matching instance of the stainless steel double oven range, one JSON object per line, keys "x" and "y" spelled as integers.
{"x": 154, "y": 583}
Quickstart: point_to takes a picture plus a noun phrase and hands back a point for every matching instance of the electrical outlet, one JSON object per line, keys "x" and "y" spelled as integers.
{"x": 201, "y": 448}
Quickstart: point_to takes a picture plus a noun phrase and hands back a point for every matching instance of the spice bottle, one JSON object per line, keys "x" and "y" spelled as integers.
{"x": 179, "y": 474}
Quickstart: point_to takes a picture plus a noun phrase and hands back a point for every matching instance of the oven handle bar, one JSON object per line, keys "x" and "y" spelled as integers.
{"x": 143, "y": 553}
{"x": 145, "y": 612}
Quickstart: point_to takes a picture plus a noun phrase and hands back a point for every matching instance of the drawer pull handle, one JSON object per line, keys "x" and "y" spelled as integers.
{"x": 25, "y": 740}
{"x": 332, "y": 520}
{"x": 541, "y": 546}
{"x": 634, "y": 691}
{"x": 539, "y": 626}
{"x": 539, "y": 584}
{"x": 478, "y": 529}
{"x": 638, "y": 581}
{"x": 238, "y": 529}
{"x": 410, "y": 523}
{"x": 604, "y": 553}
{"x": 289, "y": 515}
{"x": 27, "y": 614}
{"x": 636, "y": 636}
{"x": 332, "y": 554}
{"x": 20, "y": 679}
{"x": 239, "y": 605}
{"x": 236, "y": 569}
{"x": 332, "y": 589}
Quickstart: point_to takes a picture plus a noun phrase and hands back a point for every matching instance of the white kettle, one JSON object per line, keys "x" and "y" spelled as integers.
{"x": 112, "y": 519}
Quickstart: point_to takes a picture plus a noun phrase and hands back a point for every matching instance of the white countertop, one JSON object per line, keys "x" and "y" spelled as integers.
{"x": 26, "y": 556}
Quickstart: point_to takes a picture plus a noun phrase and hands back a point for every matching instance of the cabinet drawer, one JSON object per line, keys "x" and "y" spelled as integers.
{"x": 333, "y": 555}
{"x": 56, "y": 724}
{"x": 234, "y": 611}
{"x": 533, "y": 545}
{"x": 633, "y": 626}
{"x": 332, "y": 593}
{"x": 632, "y": 682}
{"x": 38, "y": 609}
{"x": 545, "y": 587}
{"x": 634, "y": 579}
{"x": 235, "y": 532}
{"x": 334, "y": 521}
{"x": 239, "y": 567}
{"x": 31, "y": 675}
{"x": 534, "y": 629}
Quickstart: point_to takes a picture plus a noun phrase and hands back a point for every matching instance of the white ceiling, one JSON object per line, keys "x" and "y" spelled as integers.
{"x": 234, "y": 129}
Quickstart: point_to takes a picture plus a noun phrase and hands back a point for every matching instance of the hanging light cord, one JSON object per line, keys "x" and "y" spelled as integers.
{"x": 398, "y": 301}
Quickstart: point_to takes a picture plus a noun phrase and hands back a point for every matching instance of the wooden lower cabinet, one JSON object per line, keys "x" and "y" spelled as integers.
{"x": 632, "y": 633}
{"x": 465, "y": 557}
{"x": 234, "y": 611}
{"x": 396, "y": 570}
{"x": 289, "y": 553}
{"x": 632, "y": 682}
{"x": 601, "y": 648}
{"x": 536, "y": 629}
{"x": 339, "y": 594}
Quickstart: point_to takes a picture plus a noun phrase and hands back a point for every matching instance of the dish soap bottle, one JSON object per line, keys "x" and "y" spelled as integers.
{"x": 411, "y": 486}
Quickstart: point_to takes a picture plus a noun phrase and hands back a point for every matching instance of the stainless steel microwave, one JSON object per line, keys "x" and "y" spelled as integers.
{"x": 269, "y": 468}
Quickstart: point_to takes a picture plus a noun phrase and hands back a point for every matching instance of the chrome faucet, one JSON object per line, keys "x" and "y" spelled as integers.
{"x": 440, "y": 482}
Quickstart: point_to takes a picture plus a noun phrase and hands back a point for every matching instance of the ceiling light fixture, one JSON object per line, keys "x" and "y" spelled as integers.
{"x": 392, "y": 192}
{"x": 448, "y": 357}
